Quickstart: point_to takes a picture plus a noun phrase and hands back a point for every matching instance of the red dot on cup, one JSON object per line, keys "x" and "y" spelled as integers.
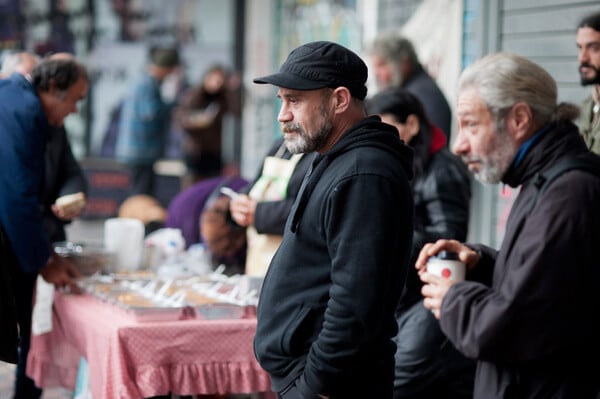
{"x": 446, "y": 273}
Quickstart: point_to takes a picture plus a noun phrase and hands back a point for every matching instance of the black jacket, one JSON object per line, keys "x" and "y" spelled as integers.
{"x": 326, "y": 311}
{"x": 63, "y": 176}
{"x": 428, "y": 92}
{"x": 442, "y": 194}
{"x": 535, "y": 330}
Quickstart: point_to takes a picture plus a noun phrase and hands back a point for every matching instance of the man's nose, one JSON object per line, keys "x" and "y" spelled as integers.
{"x": 284, "y": 114}
{"x": 460, "y": 145}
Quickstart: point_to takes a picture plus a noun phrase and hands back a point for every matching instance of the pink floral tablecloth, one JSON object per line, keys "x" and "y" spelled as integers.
{"x": 129, "y": 359}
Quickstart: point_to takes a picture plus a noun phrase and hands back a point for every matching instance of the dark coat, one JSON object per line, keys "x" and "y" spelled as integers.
{"x": 428, "y": 92}
{"x": 63, "y": 176}
{"x": 23, "y": 134}
{"x": 442, "y": 194}
{"x": 326, "y": 310}
{"x": 24, "y": 245}
{"x": 535, "y": 330}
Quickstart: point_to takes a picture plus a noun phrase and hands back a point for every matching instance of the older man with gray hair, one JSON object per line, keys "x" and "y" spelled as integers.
{"x": 528, "y": 312}
{"x": 396, "y": 64}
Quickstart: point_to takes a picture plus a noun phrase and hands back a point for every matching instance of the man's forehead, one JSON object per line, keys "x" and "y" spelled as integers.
{"x": 285, "y": 92}
{"x": 472, "y": 109}
{"x": 587, "y": 35}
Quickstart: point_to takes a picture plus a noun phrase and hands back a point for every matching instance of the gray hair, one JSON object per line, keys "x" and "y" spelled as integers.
{"x": 504, "y": 79}
{"x": 12, "y": 62}
{"x": 58, "y": 72}
{"x": 394, "y": 48}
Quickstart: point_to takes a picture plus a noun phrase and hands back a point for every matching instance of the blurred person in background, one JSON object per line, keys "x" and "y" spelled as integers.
{"x": 588, "y": 42}
{"x": 527, "y": 312}
{"x": 144, "y": 120}
{"x": 32, "y": 105}
{"x": 396, "y": 64}
{"x": 427, "y": 365}
{"x": 64, "y": 178}
{"x": 146, "y": 209}
{"x": 185, "y": 208}
{"x": 200, "y": 114}
{"x": 264, "y": 206}
{"x": 225, "y": 241}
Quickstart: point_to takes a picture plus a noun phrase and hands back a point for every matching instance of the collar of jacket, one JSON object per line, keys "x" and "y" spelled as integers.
{"x": 561, "y": 138}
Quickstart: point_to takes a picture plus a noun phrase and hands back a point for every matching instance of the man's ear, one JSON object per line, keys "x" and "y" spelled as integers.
{"x": 341, "y": 99}
{"x": 520, "y": 121}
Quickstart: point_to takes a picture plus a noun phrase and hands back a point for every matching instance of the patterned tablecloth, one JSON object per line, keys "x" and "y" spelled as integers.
{"x": 129, "y": 359}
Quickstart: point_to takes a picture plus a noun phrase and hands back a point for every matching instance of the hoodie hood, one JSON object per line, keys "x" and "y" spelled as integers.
{"x": 369, "y": 132}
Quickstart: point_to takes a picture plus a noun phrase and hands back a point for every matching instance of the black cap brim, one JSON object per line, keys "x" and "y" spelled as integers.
{"x": 290, "y": 81}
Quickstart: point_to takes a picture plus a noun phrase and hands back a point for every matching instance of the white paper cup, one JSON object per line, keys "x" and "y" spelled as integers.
{"x": 125, "y": 237}
{"x": 447, "y": 268}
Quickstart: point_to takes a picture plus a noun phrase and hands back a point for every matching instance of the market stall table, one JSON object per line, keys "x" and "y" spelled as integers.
{"x": 129, "y": 359}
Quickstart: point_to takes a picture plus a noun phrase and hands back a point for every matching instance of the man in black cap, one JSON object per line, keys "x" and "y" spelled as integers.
{"x": 326, "y": 311}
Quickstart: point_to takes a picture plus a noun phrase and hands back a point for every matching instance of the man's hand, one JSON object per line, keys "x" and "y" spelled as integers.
{"x": 242, "y": 209}
{"x": 465, "y": 254}
{"x": 61, "y": 272}
{"x": 70, "y": 206}
{"x": 435, "y": 287}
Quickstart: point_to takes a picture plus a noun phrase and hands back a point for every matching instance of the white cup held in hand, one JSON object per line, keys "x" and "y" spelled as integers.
{"x": 445, "y": 264}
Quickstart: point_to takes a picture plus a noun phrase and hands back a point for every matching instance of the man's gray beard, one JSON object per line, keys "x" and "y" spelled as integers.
{"x": 303, "y": 144}
{"x": 397, "y": 78}
{"x": 498, "y": 162}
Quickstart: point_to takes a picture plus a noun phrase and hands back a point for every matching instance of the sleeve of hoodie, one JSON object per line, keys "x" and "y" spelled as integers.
{"x": 368, "y": 225}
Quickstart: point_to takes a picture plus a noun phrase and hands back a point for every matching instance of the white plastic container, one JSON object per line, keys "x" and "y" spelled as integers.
{"x": 125, "y": 238}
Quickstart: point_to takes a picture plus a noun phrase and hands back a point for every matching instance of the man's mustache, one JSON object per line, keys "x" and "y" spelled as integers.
{"x": 290, "y": 127}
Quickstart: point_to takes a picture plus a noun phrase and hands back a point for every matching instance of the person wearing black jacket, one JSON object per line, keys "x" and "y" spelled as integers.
{"x": 528, "y": 312}
{"x": 265, "y": 204}
{"x": 326, "y": 309}
{"x": 427, "y": 366}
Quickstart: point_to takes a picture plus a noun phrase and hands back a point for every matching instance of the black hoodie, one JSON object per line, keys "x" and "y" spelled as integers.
{"x": 326, "y": 311}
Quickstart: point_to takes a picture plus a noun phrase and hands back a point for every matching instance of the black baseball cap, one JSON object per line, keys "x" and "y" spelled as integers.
{"x": 321, "y": 64}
